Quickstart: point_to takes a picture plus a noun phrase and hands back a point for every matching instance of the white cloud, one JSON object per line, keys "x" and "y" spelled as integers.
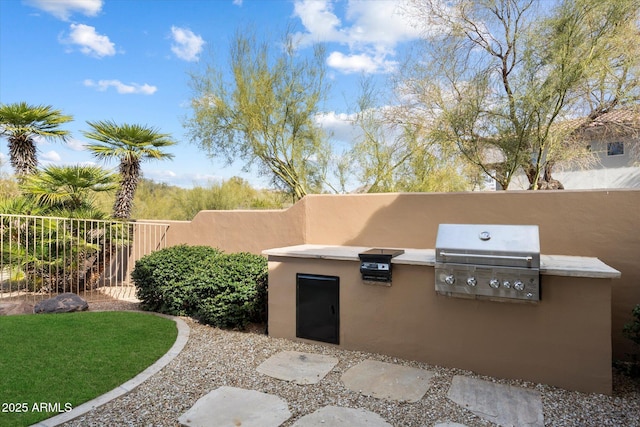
{"x": 162, "y": 174}
{"x": 379, "y": 22}
{"x": 371, "y": 31}
{"x": 339, "y": 126}
{"x": 201, "y": 178}
{"x": 360, "y": 63}
{"x": 90, "y": 42}
{"x": 342, "y": 127}
{"x": 51, "y": 156}
{"x": 185, "y": 180}
{"x": 63, "y": 9}
{"x": 131, "y": 88}
{"x": 237, "y": 2}
{"x": 187, "y": 45}
{"x": 366, "y": 22}
{"x": 318, "y": 18}
{"x": 75, "y": 144}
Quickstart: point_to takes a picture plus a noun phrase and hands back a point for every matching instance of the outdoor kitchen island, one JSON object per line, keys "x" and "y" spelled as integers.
{"x": 564, "y": 339}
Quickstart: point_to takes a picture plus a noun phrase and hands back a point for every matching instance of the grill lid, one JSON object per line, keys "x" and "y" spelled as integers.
{"x": 489, "y": 244}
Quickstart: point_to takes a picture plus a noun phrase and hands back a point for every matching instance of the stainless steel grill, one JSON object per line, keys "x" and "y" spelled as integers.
{"x": 500, "y": 262}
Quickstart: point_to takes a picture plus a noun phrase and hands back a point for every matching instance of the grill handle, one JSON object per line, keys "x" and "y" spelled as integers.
{"x": 528, "y": 259}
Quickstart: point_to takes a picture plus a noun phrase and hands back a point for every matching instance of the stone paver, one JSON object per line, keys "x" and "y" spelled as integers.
{"x": 300, "y": 368}
{"x": 231, "y": 406}
{"x": 388, "y": 381}
{"x": 501, "y": 404}
{"x": 338, "y": 416}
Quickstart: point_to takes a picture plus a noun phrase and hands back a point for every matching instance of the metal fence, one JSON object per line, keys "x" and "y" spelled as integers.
{"x": 41, "y": 257}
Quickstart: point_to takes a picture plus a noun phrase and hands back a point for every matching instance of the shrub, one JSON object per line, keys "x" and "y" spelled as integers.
{"x": 224, "y": 290}
{"x": 631, "y": 330}
{"x": 160, "y": 277}
{"x": 232, "y": 292}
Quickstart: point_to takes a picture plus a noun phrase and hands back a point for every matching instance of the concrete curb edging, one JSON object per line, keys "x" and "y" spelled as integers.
{"x": 181, "y": 341}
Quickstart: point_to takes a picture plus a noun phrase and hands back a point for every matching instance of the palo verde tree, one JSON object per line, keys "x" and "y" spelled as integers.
{"x": 20, "y": 123}
{"x": 378, "y": 151}
{"x": 261, "y": 110}
{"x": 591, "y": 50}
{"x": 613, "y": 80}
{"x": 391, "y": 153}
{"x": 130, "y": 144}
{"x": 496, "y": 77}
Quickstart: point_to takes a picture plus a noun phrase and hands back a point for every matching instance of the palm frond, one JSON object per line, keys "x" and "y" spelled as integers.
{"x": 130, "y": 144}
{"x": 24, "y": 119}
{"x": 68, "y": 187}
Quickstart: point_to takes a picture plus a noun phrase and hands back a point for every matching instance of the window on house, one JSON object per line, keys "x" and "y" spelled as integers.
{"x": 615, "y": 148}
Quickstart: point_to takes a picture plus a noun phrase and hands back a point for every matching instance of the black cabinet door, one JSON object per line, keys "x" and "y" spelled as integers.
{"x": 318, "y": 307}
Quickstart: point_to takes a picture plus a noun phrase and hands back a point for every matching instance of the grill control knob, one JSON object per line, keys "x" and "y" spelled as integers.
{"x": 506, "y": 284}
{"x": 471, "y": 281}
{"x": 450, "y": 279}
{"x": 494, "y": 283}
{"x": 518, "y": 285}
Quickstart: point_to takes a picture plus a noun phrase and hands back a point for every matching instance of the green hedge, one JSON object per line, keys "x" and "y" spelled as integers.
{"x": 225, "y": 290}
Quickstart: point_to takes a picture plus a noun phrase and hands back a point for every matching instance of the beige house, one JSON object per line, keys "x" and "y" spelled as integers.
{"x": 614, "y": 141}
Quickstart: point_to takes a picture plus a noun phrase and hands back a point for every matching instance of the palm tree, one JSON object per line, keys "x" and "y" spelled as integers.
{"x": 20, "y": 122}
{"x": 68, "y": 187}
{"x": 131, "y": 144}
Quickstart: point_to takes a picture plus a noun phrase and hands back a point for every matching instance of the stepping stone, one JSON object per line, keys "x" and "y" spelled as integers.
{"x": 388, "y": 381}
{"x": 301, "y": 368}
{"x": 231, "y": 406}
{"x": 337, "y": 416}
{"x": 501, "y": 404}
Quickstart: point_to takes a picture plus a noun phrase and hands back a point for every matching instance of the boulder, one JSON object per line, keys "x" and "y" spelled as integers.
{"x": 63, "y": 303}
{"x": 11, "y": 308}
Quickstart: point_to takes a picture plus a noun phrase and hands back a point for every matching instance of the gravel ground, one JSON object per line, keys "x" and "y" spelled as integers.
{"x": 214, "y": 357}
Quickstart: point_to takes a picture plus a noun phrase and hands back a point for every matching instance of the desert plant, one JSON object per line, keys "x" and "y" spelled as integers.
{"x": 68, "y": 187}
{"x": 224, "y": 290}
{"x": 54, "y": 253}
{"x": 631, "y": 330}
{"x": 160, "y": 277}
{"x": 231, "y": 292}
{"x": 131, "y": 145}
{"x": 20, "y": 123}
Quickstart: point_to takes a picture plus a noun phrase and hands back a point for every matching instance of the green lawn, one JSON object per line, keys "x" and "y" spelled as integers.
{"x": 50, "y": 363}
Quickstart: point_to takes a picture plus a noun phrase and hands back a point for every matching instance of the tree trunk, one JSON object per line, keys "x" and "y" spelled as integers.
{"x": 123, "y": 205}
{"x": 22, "y": 155}
{"x": 546, "y": 181}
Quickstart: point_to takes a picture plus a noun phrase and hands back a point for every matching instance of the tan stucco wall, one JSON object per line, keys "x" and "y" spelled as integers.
{"x": 241, "y": 231}
{"x": 563, "y": 341}
{"x": 602, "y": 224}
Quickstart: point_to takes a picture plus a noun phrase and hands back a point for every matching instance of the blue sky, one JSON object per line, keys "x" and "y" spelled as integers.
{"x": 128, "y": 61}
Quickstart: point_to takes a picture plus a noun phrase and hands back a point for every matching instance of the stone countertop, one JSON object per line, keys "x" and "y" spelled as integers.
{"x": 552, "y": 265}
{"x": 350, "y": 253}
